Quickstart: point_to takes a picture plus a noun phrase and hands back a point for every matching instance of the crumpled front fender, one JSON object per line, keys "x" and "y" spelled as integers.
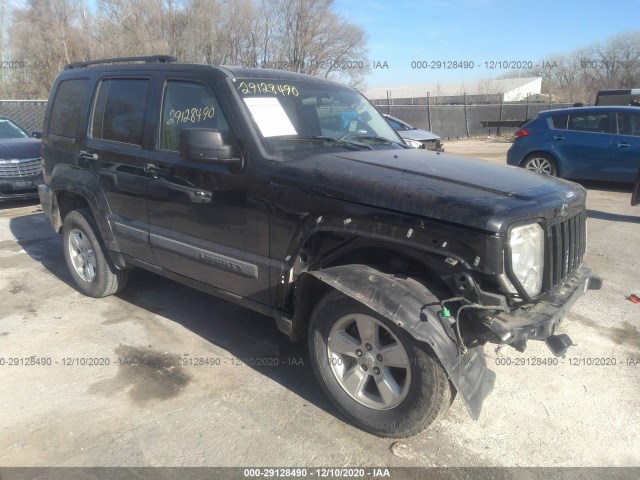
{"x": 411, "y": 306}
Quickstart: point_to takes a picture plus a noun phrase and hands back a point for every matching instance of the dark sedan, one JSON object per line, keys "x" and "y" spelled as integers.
{"x": 586, "y": 143}
{"x": 20, "y": 164}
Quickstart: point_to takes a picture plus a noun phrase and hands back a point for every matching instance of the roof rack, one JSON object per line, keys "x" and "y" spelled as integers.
{"x": 148, "y": 59}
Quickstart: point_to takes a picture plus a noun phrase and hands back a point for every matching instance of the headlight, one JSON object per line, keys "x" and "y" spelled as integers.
{"x": 413, "y": 143}
{"x": 527, "y": 250}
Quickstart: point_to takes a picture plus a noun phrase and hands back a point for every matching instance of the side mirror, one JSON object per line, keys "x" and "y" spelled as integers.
{"x": 206, "y": 145}
{"x": 36, "y": 134}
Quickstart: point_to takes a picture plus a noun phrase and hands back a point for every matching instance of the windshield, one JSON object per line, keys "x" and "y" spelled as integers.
{"x": 8, "y": 129}
{"x": 291, "y": 116}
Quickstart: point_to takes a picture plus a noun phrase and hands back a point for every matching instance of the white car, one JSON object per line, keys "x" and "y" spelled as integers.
{"x": 416, "y": 137}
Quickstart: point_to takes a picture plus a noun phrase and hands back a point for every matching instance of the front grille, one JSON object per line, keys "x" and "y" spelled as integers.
{"x": 21, "y": 168}
{"x": 568, "y": 241}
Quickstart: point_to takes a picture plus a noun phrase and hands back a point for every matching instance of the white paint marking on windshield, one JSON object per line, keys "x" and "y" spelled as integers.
{"x": 270, "y": 117}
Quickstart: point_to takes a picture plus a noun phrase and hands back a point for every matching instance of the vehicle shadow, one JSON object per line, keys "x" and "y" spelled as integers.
{"x": 609, "y": 187}
{"x": 613, "y": 217}
{"x": 605, "y": 186}
{"x": 10, "y": 204}
{"x": 251, "y": 338}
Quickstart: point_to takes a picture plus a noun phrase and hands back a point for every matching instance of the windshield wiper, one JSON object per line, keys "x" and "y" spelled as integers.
{"x": 377, "y": 138}
{"x": 327, "y": 139}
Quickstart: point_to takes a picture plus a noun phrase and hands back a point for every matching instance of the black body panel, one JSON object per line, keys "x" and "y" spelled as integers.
{"x": 245, "y": 230}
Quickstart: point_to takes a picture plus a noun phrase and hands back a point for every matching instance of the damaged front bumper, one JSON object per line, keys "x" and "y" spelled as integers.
{"x": 539, "y": 321}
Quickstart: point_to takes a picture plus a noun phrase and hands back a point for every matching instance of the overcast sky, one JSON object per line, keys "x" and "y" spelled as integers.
{"x": 478, "y": 31}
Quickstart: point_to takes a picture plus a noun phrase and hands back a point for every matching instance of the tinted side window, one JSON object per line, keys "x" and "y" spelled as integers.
{"x": 590, "y": 122}
{"x": 119, "y": 110}
{"x": 560, "y": 122}
{"x": 189, "y": 105}
{"x": 629, "y": 124}
{"x": 70, "y": 99}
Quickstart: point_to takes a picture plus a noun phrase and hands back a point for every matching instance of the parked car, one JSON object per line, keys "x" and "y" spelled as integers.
{"x": 20, "y": 164}
{"x": 293, "y": 196}
{"x": 585, "y": 143}
{"x": 416, "y": 137}
{"x": 625, "y": 97}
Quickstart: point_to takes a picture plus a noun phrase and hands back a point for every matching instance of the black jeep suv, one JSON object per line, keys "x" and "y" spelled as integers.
{"x": 293, "y": 196}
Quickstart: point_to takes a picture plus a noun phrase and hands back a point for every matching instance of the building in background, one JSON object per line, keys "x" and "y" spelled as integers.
{"x": 487, "y": 91}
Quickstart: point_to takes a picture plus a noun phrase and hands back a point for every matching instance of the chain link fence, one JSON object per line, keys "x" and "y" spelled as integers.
{"x": 448, "y": 121}
{"x": 465, "y": 119}
{"x": 29, "y": 114}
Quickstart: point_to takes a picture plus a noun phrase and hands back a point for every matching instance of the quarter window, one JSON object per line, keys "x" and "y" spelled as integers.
{"x": 119, "y": 110}
{"x": 70, "y": 99}
{"x": 560, "y": 122}
{"x": 189, "y": 105}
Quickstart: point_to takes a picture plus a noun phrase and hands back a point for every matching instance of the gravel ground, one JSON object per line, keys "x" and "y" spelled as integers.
{"x": 139, "y": 411}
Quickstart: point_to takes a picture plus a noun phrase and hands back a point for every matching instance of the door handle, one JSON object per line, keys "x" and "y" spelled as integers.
{"x": 83, "y": 155}
{"x": 623, "y": 145}
{"x": 558, "y": 137}
{"x": 156, "y": 171}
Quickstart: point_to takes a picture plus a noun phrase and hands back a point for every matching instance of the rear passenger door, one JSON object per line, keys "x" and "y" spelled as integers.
{"x": 115, "y": 150}
{"x": 585, "y": 145}
{"x": 625, "y": 147}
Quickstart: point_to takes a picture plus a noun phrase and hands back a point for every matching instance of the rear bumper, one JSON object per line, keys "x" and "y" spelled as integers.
{"x": 540, "y": 321}
{"x": 516, "y": 153}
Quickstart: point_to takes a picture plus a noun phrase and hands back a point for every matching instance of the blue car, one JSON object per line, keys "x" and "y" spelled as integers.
{"x": 585, "y": 143}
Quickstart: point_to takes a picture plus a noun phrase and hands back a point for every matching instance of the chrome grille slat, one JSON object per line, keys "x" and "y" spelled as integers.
{"x": 567, "y": 244}
{"x": 23, "y": 168}
{"x": 556, "y": 254}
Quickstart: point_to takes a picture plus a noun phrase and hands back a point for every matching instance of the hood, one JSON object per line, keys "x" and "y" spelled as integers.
{"x": 463, "y": 191}
{"x": 20, "y": 148}
{"x": 418, "y": 134}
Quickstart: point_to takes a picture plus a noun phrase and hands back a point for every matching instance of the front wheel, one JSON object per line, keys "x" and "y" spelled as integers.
{"x": 92, "y": 270}
{"x": 376, "y": 374}
{"x": 541, "y": 163}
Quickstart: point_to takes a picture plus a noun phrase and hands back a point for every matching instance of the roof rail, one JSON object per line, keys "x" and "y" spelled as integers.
{"x": 147, "y": 59}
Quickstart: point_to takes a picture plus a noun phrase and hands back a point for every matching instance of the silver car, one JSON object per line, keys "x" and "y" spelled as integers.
{"x": 416, "y": 137}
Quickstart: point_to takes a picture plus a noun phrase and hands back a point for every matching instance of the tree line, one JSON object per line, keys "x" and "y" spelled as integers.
{"x": 40, "y": 37}
{"x": 578, "y": 75}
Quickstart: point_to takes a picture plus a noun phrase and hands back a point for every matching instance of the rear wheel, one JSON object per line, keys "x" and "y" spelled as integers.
{"x": 376, "y": 374}
{"x": 93, "y": 272}
{"x": 541, "y": 163}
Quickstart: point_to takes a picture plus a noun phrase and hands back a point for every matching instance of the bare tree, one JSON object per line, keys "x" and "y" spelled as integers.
{"x": 578, "y": 75}
{"x": 46, "y": 35}
{"x": 143, "y": 27}
{"x": 307, "y": 36}
{"x": 313, "y": 39}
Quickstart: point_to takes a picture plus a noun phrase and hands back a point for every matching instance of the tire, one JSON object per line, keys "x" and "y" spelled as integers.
{"x": 541, "y": 163}
{"x": 419, "y": 391}
{"x": 92, "y": 270}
